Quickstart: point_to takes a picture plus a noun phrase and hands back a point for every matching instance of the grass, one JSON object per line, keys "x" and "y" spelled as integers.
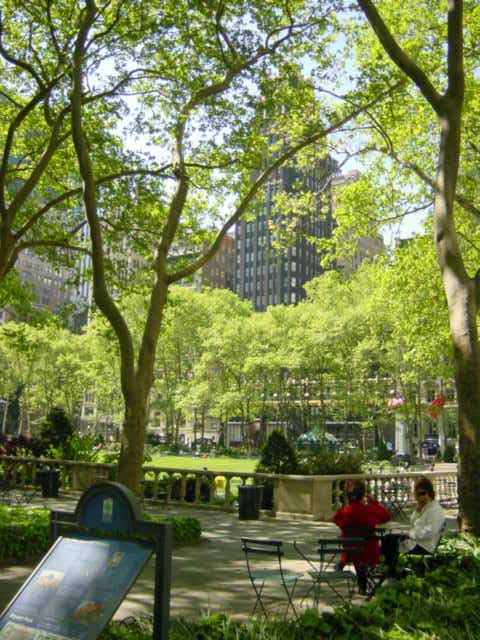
{"x": 241, "y": 465}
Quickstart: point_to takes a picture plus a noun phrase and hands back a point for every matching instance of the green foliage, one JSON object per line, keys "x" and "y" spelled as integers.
{"x": 326, "y": 462}
{"x": 186, "y": 529}
{"x": 56, "y": 429}
{"x": 449, "y": 454}
{"x": 442, "y": 604}
{"x": 278, "y": 456}
{"x": 24, "y": 532}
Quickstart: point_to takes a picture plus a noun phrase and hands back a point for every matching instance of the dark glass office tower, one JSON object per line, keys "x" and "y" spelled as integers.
{"x": 269, "y": 276}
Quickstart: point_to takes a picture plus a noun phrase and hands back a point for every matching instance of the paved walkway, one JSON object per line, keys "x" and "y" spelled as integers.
{"x": 208, "y": 577}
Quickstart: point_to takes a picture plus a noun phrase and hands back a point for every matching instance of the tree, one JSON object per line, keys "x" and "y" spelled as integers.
{"x": 439, "y": 61}
{"x": 216, "y": 114}
{"x": 39, "y": 183}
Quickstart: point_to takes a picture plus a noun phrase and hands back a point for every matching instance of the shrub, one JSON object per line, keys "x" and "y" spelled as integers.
{"x": 55, "y": 432}
{"x": 185, "y": 529}
{"x": 24, "y": 532}
{"x": 16, "y": 446}
{"x": 449, "y": 454}
{"x": 278, "y": 456}
{"x": 326, "y": 462}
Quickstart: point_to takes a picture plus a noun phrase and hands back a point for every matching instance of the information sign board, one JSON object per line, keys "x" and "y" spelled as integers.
{"x": 75, "y": 590}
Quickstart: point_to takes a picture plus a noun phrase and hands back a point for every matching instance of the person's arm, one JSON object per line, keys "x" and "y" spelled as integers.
{"x": 339, "y": 518}
{"x": 377, "y": 513}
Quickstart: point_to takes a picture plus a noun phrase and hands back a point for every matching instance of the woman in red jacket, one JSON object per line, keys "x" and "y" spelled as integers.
{"x": 359, "y": 518}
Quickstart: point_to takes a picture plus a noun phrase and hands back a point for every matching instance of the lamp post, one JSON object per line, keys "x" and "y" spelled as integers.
{"x": 194, "y": 429}
{"x": 305, "y": 399}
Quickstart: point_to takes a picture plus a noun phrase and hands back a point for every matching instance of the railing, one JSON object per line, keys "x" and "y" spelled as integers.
{"x": 183, "y": 486}
{"x": 320, "y": 496}
{"x": 316, "y": 497}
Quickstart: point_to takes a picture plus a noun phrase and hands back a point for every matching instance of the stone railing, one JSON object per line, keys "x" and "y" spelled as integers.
{"x": 315, "y": 497}
{"x": 318, "y": 497}
{"x": 21, "y": 472}
{"x": 194, "y": 486}
{"x": 184, "y": 486}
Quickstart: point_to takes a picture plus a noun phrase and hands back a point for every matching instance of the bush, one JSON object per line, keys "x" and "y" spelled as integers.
{"x": 16, "y": 446}
{"x": 185, "y": 529}
{"x": 24, "y": 533}
{"x": 278, "y": 456}
{"x": 326, "y": 462}
{"x": 449, "y": 454}
{"x": 55, "y": 432}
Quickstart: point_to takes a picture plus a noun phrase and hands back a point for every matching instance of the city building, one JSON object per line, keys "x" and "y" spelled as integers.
{"x": 266, "y": 275}
{"x": 218, "y": 272}
{"x": 53, "y": 287}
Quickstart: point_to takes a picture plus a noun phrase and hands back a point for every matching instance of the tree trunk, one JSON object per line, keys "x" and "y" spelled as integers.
{"x": 5, "y": 415}
{"x": 132, "y": 443}
{"x": 462, "y": 295}
{"x": 463, "y": 311}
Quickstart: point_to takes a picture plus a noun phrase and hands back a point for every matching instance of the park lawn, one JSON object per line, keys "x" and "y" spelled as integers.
{"x": 242, "y": 465}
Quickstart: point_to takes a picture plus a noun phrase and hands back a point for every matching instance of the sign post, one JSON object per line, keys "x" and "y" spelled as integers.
{"x": 96, "y": 555}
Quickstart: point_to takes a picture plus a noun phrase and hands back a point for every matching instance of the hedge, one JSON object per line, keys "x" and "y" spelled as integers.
{"x": 25, "y": 532}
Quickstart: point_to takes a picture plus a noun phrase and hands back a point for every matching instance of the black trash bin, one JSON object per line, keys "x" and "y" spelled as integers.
{"x": 50, "y": 481}
{"x": 249, "y": 501}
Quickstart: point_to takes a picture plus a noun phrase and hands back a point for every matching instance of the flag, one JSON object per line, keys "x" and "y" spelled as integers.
{"x": 394, "y": 401}
{"x": 436, "y": 406}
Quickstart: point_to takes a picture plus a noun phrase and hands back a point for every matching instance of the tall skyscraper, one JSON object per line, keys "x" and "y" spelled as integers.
{"x": 265, "y": 275}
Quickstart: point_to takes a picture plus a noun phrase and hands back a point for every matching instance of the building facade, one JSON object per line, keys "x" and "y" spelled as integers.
{"x": 266, "y": 275}
{"x": 218, "y": 272}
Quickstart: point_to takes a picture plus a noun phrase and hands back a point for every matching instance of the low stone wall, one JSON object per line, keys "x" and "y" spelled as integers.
{"x": 314, "y": 497}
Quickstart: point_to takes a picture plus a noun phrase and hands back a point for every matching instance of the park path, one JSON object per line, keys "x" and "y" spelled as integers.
{"x": 208, "y": 577}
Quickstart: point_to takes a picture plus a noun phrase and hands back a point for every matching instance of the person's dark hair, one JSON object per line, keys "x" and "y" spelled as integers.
{"x": 424, "y": 484}
{"x": 356, "y": 490}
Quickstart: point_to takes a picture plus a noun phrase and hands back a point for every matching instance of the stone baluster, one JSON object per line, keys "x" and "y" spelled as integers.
{"x": 198, "y": 482}
{"x": 183, "y": 488}
{"x": 155, "y": 484}
{"x": 226, "y": 501}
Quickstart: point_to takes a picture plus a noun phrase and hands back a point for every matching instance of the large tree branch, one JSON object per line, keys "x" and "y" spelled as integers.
{"x": 461, "y": 199}
{"x": 72, "y": 193}
{"x": 18, "y": 62}
{"x": 101, "y": 294}
{"x": 456, "y": 79}
{"x": 400, "y": 58}
{"x": 260, "y": 182}
{"x": 12, "y": 129}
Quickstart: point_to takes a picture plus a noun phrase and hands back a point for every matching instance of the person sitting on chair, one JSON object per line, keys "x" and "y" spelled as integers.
{"x": 359, "y": 518}
{"x": 426, "y": 526}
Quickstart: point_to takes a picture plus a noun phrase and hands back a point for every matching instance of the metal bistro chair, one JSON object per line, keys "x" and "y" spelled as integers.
{"x": 264, "y": 565}
{"x": 324, "y": 566}
{"x": 374, "y": 574}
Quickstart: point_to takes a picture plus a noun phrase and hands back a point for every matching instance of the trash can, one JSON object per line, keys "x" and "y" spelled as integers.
{"x": 249, "y": 500}
{"x": 50, "y": 481}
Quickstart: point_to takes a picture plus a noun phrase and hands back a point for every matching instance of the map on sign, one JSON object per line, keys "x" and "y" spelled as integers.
{"x": 75, "y": 590}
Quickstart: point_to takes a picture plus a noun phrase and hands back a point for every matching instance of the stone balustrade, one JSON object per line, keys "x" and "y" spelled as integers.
{"x": 318, "y": 497}
{"x": 315, "y": 497}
